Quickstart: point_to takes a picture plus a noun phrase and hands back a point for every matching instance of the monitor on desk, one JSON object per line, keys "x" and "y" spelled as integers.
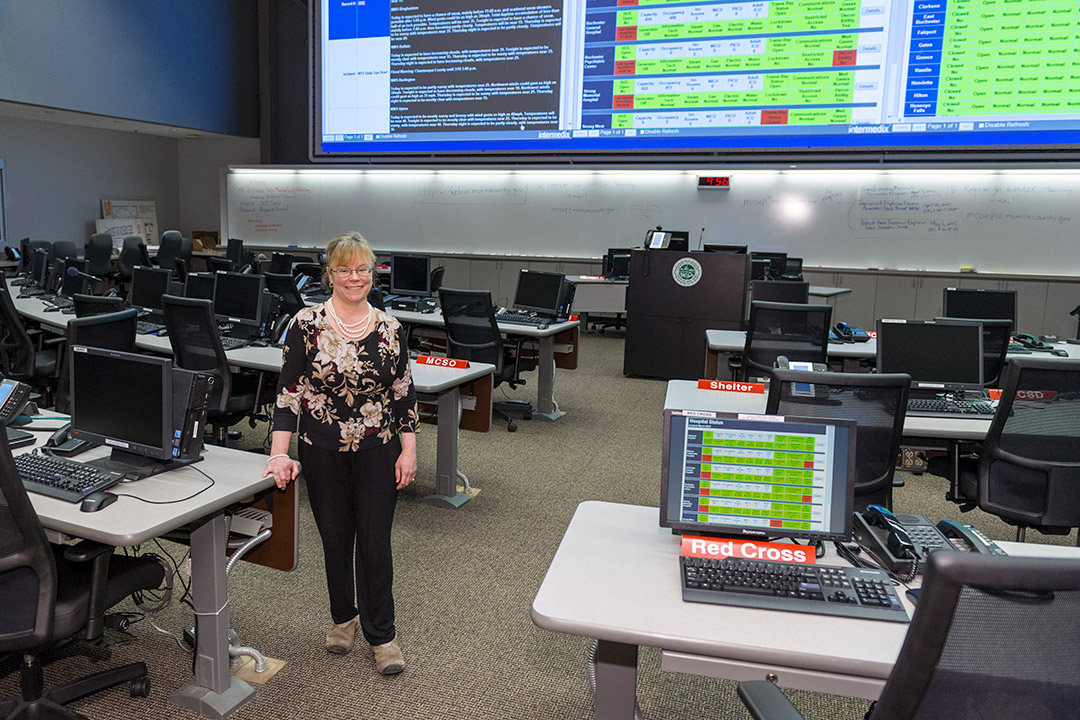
{"x": 539, "y": 292}
{"x": 679, "y": 240}
{"x": 151, "y": 414}
{"x": 940, "y": 356}
{"x": 410, "y": 275}
{"x": 979, "y": 304}
{"x": 200, "y": 285}
{"x": 148, "y": 284}
{"x": 777, "y": 263}
{"x": 617, "y": 263}
{"x": 757, "y": 476}
{"x": 238, "y": 298}
{"x": 39, "y": 267}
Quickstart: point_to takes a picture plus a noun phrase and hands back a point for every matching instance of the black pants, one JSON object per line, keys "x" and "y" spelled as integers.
{"x": 352, "y": 496}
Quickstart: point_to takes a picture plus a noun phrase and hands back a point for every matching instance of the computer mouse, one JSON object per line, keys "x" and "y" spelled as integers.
{"x": 1059, "y": 353}
{"x": 543, "y": 326}
{"x": 97, "y": 500}
{"x": 162, "y": 333}
{"x": 51, "y": 308}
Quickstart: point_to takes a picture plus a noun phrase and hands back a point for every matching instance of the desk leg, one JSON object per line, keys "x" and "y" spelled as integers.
{"x": 446, "y": 457}
{"x": 545, "y": 381}
{"x": 616, "y": 681}
{"x": 214, "y": 692}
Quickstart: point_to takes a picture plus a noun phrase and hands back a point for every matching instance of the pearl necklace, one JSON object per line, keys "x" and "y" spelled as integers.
{"x": 351, "y": 331}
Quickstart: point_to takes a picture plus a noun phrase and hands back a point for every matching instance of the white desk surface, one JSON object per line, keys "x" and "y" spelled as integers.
{"x": 435, "y": 319}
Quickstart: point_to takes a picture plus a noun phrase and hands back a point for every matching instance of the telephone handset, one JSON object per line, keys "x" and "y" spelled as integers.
{"x": 13, "y": 398}
{"x": 968, "y": 538}
{"x": 1030, "y": 341}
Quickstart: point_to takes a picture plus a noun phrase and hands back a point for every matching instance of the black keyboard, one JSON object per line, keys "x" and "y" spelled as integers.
{"x": 63, "y": 479}
{"x": 31, "y": 291}
{"x": 522, "y": 318}
{"x": 146, "y": 327}
{"x": 819, "y": 589}
{"x": 231, "y": 343}
{"x": 61, "y": 302}
{"x": 938, "y": 407}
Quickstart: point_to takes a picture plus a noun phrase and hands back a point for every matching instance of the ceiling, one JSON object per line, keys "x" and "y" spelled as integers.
{"x": 101, "y": 122}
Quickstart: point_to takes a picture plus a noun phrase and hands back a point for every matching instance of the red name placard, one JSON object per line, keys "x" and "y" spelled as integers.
{"x": 442, "y": 362}
{"x": 731, "y": 386}
{"x": 703, "y": 547}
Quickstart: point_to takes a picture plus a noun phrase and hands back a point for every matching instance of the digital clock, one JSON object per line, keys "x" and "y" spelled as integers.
{"x": 714, "y": 182}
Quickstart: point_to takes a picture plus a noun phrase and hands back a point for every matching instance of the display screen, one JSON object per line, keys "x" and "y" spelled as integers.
{"x": 410, "y": 275}
{"x": 596, "y": 77}
{"x": 979, "y": 304}
{"x": 937, "y": 355}
{"x": 238, "y": 298}
{"x": 538, "y": 291}
{"x": 760, "y": 476}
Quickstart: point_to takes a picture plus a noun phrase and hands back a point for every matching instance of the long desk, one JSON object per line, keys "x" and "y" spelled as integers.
{"x": 615, "y": 577}
{"x": 214, "y": 691}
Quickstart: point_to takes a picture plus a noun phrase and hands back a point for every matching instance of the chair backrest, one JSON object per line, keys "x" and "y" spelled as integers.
{"x": 282, "y": 284}
{"x": 993, "y": 637}
{"x": 42, "y": 245}
{"x": 99, "y": 254}
{"x": 234, "y": 251}
{"x": 436, "y": 278}
{"x": 16, "y": 347}
{"x": 186, "y": 247}
{"x": 877, "y": 404}
{"x": 780, "y": 291}
{"x": 220, "y": 264}
{"x": 1029, "y": 467}
{"x": 996, "y": 336}
{"x": 171, "y": 245}
{"x": 27, "y": 566}
{"x": 133, "y": 252}
{"x": 87, "y": 305}
{"x": 112, "y": 331}
{"x": 196, "y": 343}
{"x": 472, "y": 332}
{"x": 63, "y": 249}
{"x": 797, "y": 331}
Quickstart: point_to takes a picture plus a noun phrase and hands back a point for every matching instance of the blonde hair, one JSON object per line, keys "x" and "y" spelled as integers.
{"x": 346, "y": 249}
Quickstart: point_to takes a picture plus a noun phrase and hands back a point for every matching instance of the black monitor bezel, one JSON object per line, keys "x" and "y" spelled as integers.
{"x": 724, "y": 248}
{"x": 984, "y": 292}
{"x": 926, "y": 385}
{"x": 623, "y": 256}
{"x": 397, "y": 276}
{"x": 200, "y": 276}
{"x": 682, "y": 527}
{"x": 148, "y": 272}
{"x": 239, "y": 278}
{"x": 39, "y": 267}
{"x": 538, "y": 309}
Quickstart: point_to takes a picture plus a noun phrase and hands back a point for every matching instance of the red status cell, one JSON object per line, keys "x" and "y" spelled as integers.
{"x": 774, "y": 117}
{"x": 776, "y": 523}
{"x": 843, "y": 57}
{"x": 703, "y": 491}
{"x": 703, "y": 508}
{"x": 807, "y": 498}
{"x": 626, "y": 32}
{"x": 623, "y": 102}
{"x": 627, "y": 2}
{"x": 625, "y": 67}
{"x": 809, "y": 464}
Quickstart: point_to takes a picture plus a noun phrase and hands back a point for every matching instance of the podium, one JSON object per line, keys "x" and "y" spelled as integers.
{"x": 672, "y": 299}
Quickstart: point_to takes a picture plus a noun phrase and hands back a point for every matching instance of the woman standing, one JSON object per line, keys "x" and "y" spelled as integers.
{"x": 346, "y": 388}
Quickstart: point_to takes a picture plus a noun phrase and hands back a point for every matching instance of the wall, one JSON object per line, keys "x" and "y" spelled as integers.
{"x": 191, "y": 64}
{"x": 199, "y": 165}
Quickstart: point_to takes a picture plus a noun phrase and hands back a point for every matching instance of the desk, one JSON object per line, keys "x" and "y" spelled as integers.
{"x": 615, "y": 577}
{"x": 558, "y": 345}
{"x": 214, "y": 691}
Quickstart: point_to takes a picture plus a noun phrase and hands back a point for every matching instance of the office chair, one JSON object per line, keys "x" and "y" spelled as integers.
{"x": 132, "y": 253}
{"x": 196, "y": 345}
{"x": 993, "y": 637}
{"x": 1028, "y": 469}
{"x": 87, "y": 305}
{"x": 436, "y": 279}
{"x": 21, "y": 358}
{"x": 996, "y": 336}
{"x": 796, "y": 331}
{"x": 43, "y": 245}
{"x": 99, "y": 254}
{"x": 64, "y": 249}
{"x": 281, "y": 284}
{"x": 312, "y": 270}
{"x": 780, "y": 291}
{"x": 877, "y": 403}
{"x": 234, "y": 251}
{"x": 170, "y": 249}
{"x": 473, "y": 334}
{"x": 112, "y": 331}
{"x": 53, "y": 592}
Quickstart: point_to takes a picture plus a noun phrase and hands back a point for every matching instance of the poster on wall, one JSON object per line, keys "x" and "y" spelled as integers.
{"x": 120, "y": 228}
{"x": 141, "y": 210}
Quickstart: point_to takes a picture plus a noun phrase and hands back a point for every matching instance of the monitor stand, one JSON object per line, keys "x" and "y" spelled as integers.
{"x": 135, "y": 466}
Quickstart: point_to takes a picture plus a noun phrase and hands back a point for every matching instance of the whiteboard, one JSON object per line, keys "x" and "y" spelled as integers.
{"x": 1021, "y": 221}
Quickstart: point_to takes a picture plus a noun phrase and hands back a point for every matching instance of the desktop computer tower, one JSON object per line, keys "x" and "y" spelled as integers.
{"x": 191, "y": 393}
{"x": 566, "y": 302}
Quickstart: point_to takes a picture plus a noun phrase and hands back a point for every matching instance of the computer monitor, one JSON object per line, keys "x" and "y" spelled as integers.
{"x": 780, "y": 291}
{"x": 940, "y": 356}
{"x": 234, "y": 251}
{"x": 722, "y": 248}
{"x": 148, "y": 284}
{"x": 777, "y": 262}
{"x": 238, "y": 298}
{"x": 151, "y": 414}
{"x": 979, "y": 304}
{"x": 39, "y": 267}
{"x": 759, "y": 268}
{"x": 792, "y": 269}
{"x": 539, "y": 292}
{"x": 617, "y": 263}
{"x": 757, "y": 476}
{"x": 282, "y": 285}
{"x": 280, "y": 263}
{"x": 200, "y": 285}
{"x": 71, "y": 284}
{"x": 410, "y": 275}
{"x": 680, "y": 240}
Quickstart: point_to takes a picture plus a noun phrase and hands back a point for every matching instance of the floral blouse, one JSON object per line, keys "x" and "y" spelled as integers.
{"x": 341, "y": 394}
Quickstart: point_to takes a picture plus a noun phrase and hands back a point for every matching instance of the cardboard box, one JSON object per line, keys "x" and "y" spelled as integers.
{"x": 204, "y": 240}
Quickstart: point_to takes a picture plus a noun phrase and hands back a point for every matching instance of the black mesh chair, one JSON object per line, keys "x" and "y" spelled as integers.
{"x": 473, "y": 334}
{"x": 64, "y": 249}
{"x": 54, "y": 592}
{"x": 196, "y": 345}
{"x": 794, "y": 330}
{"x": 22, "y": 357}
{"x": 112, "y": 331}
{"x": 87, "y": 305}
{"x": 436, "y": 278}
{"x": 993, "y": 638}
{"x": 170, "y": 249}
{"x": 876, "y": 403}
{"x": 132, "y": 253}
{"x": 780, "y": 291}
{"x": 1028, "y": 469}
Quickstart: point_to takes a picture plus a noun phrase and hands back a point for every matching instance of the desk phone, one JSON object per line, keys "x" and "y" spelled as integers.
{"x": 900, "y": 541}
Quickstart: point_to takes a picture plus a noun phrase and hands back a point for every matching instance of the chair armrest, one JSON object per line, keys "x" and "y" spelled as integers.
{"x": 765, "y": 701}
{"x": 86, "y": 550}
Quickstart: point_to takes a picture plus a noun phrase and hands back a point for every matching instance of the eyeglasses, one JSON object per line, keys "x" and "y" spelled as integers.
{"x": 348, "y": 272}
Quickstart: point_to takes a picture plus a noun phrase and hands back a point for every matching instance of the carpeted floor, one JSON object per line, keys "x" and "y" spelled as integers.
{"x": 465, "y": 580}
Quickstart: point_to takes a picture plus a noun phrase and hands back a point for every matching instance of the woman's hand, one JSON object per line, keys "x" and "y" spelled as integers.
{"x": 284, "y": 469}
{"x": 405, "y": 467}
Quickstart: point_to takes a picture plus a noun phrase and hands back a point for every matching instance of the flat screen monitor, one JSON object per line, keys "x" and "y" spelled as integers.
{"x": 76, "y": 283}
{"x": 940, "y": 356}
{"x": 979, "y": 304}
{"x": 757, "y": 476}
{"x": 235, "y": 251}
{"x": 617, "y": 263}
{"x": 138, "y": 406}
{"x": 148, "y": 284}
{"x": 786, "y": 291}
{"x": 238, "y": 298}
{"x": 777, "y": 263}
{"x": 722, "y": 248}
{"x": 759, "y": 268}
{"x": 792, "y": 269}
{"x": 281, "y": 263}
{"x": 39, "y": 267}
{"x": 539, "y": 292}
{"x": 680, "y": 240}
{"x": 410, "y": 275}
{"x": 200, "y": 285}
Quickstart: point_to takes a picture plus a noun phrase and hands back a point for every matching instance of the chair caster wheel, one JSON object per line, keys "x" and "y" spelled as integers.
{"x": 511, "y": 427}
{"x": 528, "y": 416}
{"x": 140, "y": 687}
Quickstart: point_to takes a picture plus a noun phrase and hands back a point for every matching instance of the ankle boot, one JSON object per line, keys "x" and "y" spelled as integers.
{"x": 388, "y": 658}
{"x": 341, "y": 637}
